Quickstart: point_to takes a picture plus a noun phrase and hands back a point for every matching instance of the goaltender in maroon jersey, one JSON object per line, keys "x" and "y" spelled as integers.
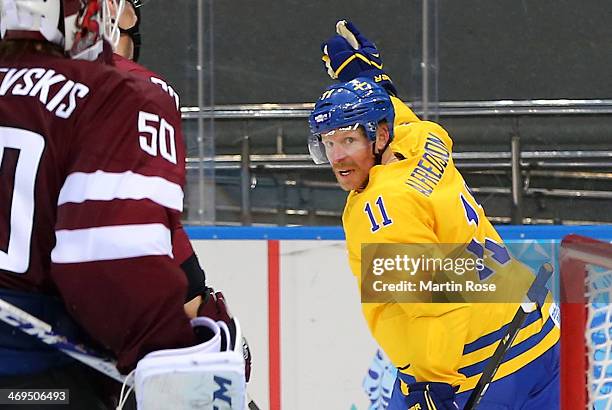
{"x": 102, "y": 156}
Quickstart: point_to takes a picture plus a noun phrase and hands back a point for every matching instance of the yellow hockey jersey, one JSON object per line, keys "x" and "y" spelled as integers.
{"x": 423, "y": 199}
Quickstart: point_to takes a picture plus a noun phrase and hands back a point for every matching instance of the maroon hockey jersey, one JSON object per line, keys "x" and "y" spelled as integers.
{"x": 91, "y": 176}
{"x": 181, "y": 246}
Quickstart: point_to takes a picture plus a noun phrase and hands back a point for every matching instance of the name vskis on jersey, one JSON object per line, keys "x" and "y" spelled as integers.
{"x": 37, "y": 82}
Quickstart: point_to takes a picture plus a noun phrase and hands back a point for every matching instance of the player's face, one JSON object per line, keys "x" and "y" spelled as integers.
{"x": 350, "y": 154}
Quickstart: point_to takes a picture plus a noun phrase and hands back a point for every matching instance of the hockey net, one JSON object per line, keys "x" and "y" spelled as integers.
{"x": 586, "y": 323}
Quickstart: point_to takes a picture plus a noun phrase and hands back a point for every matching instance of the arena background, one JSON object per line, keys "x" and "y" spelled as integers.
{"x": 268, "y": 51}
{"x": 538, "y": 71}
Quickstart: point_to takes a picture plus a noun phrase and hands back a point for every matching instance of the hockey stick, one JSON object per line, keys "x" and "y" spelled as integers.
{"x": 251, "y": 405}
{"x": 43, "y": 331}
{"x": 535, "y": 296}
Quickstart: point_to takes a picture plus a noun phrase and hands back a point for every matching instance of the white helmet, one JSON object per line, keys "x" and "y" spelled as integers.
{"x": 80, "y": 29}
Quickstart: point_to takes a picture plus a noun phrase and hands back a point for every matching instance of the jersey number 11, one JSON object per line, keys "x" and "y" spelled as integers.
{"x": 385, "y": 218}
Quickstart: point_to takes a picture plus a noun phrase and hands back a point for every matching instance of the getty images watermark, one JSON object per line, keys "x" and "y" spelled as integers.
{"x": 439, "y": 273}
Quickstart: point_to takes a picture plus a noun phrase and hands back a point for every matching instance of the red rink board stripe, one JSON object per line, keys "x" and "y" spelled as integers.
{"x": 274, "y": 352}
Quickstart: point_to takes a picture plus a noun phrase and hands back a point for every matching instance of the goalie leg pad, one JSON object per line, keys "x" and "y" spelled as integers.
{"x": 206, "y": 376}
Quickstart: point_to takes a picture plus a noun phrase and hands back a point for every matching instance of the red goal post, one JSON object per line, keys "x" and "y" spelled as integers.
{"x": 580, "y": 259}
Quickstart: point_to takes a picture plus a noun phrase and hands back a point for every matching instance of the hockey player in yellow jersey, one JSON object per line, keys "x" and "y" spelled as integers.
{"x": 405, "y": 189}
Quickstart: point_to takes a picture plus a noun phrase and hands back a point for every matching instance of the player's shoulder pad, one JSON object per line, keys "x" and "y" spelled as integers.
{"x": 129, "y": 66}
{"x": 141, "y": 92}
{"x": 125, "y": 65}
{"x": 110, "y": 86}
{"x": 403, "y": 113}
{"x": 122, "y": 106}
{"x": 413, "y": 138}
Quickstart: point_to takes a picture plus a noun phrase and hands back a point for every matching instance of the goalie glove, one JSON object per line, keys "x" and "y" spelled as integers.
{"x": 349, "y": 55}
{"x": 431, "y": 396}
{"x": 213, "y": 306}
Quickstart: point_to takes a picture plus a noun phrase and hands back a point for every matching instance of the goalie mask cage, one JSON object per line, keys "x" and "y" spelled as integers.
{"x": 586, "y": 323}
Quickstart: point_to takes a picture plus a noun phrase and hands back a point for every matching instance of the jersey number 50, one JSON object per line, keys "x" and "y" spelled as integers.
{"x": 20, "y": 153}
{"x": 156, "y": 134}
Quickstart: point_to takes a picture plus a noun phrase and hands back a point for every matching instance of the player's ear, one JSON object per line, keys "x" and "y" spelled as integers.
{"x": 382, "y": 136}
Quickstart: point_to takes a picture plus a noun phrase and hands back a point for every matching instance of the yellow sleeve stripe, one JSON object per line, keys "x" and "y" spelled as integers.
{"x": 514, "y": 351}
{"x": 487, "y": 351}
{"x": 515, "y": 364}
{"x": 354, "y": 56}
{"x": 539, "y": 315}
{"x": 430, "y": 403}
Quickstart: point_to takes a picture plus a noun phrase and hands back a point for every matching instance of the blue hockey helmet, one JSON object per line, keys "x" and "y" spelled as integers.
{"x": 357, "y": 102}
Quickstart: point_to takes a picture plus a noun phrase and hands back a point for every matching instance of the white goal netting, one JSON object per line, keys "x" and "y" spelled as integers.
{"x": 599, "y": 336}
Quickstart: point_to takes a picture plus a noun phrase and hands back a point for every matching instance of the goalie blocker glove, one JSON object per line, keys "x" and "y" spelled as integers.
{"x": 349, "y": 55}
{"x": 213, "y": 306}
{"x": 431, "y": 396}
